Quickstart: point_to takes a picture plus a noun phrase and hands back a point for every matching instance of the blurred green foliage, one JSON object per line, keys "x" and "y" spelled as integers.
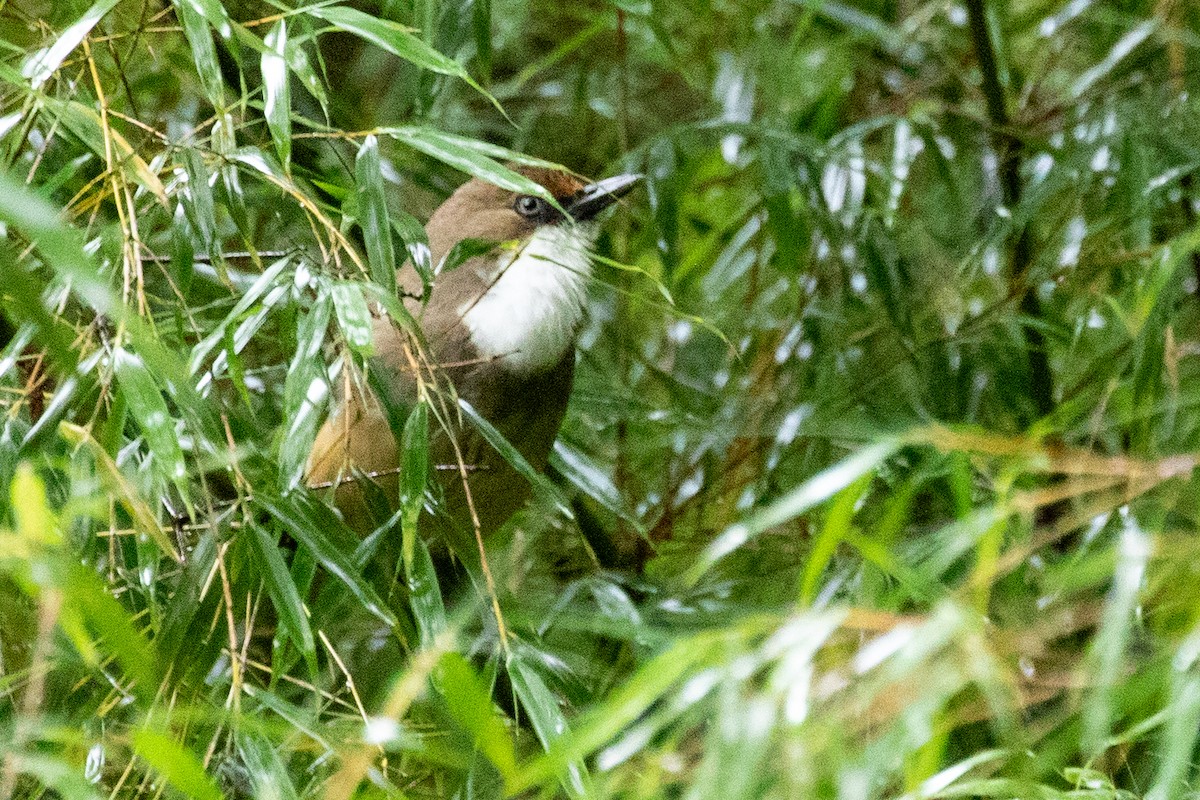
{"x": 880, "y": 458}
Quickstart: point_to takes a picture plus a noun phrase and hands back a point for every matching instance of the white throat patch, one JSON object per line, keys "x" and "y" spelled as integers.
{"x": 530, "y": 315}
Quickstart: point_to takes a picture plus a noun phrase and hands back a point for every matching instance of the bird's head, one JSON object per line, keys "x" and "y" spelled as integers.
{"x": 523, "y": 303}
{"x": 480, "y": 210}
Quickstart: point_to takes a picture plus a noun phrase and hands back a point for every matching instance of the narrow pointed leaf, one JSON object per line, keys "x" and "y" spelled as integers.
{"x": 469, "y": 702}
{"x": 277, "y": 95}
{"x": 42, "y": 64}
{"x": 547, "y": 719}
{"x": 807, "y": 495}
{"x": 478, "y": 159}
{"x": 414, "y": 472}
{"x": 179, "y": 766}
{"x": 541, "y": 485}
{"x": 416, "y": 242}
{"x": 304, "y": 392}
{"x": 373, "y": 215}
{"x": 148, "y": 407}
{"x": 312, "y": 524}
{"x": 284, "y": 595}
{"x": 353, "y": 315}
{"x": 120, "y": 487}
{"x": 204, "y": 52}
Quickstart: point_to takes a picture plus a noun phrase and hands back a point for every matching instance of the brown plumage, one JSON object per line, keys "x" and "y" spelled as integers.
{"x": 523, "y": 394}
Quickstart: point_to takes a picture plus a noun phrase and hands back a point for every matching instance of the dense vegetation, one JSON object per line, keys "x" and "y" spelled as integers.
{"x": 879, "y": 467}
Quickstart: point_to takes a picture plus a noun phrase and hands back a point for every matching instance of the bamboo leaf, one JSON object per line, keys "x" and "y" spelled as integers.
{"x": 807, "y": 495}
{"x": 147, "y": 405}
{"x": 540, "y": 484}
{"x": 86, "y": 595}
{"x": 277, "y": 95}
{"x": 412, "y": 233}
{"x": 192, "y": 16}
{"x": 120, "y": 487}
{"x": 414, "y": 473}
{"x": 304, "y": 392}
{"x": 299, "y": 64}
{"x": 89, "y": 126}
{"x": 45, "y": 62}
{"x": 313, "y": 525}
{"x": 284, "y": 595}
{"x": 65, "y": 780}
{"x": 547, "y": 719}
{"x": 397, "y": 40}
{"x": 267, "y": 770}
{"x": 353, "y": 315}
{"x": 177, "y": 765}
{"x": 373, "y": 215}
{"x": 469, "y": 702}
{"x": 186, "y": 599}
{"x": 478, "y": 159}
{"x": 425, "y": 595}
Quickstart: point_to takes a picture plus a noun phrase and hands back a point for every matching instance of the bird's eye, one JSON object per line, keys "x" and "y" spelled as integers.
{"x": 529, "y": 206}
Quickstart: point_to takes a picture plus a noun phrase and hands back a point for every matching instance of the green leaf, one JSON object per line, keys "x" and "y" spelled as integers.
{"x": 416, "y": 242}
{"x": 541, "y": 485}
{"x": 66, "y": 780}
{"x": 807, "y": 495}
{"x": 414, "y": 473}
{"x": 392, "y": 305}
{"x": 397, "y": 40}
{"x": 103, "y": 140}
{"x": 470, "y": 703}
{"x": 201, "y": 211}
{"x": 42, "y": 64}
{"x": 264, "y": 286}
{"x": 119, "y": 487}
{"x": 86, "y": 595}
{"x": 148, "y": 407}
{"x": 425, "y": 595}
{"x": 213, "y": 12}
{"x": 180, "y": 767}
{"x": 589, "y": 477}
{"x": 373, "y": 215}
{"x": 546, "y": 718}
{"x": 36, "y": 522}
{"x": 304, "y": 392}
{"x": 204, "y": 52}
{"x": 835, "y": 530}
{"x": 478, "y": 159}
{"x": 354, "y": 316}
{"x": 312, "y": 524}
{"x": 1119, "y": 52}
{"x": 1179, "y": 735}
{"x": 186, "y": 598}
{"x": 285, "y": 597}
{"x": 481, "y": 24}
{"x": 1107, "y": 648}
{"x": 266, "y": 769}
{"x": 300, "y": 719}
{"x": 277, "y": 95}
{"x": 463, "y": 251}
{"x": 107, "y": 143}
{"x": 298, "y": 62}
{"x": 22, "y": 302}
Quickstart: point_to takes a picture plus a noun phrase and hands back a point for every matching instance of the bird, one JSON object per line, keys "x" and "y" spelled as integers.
{"x": 499, "y": 332}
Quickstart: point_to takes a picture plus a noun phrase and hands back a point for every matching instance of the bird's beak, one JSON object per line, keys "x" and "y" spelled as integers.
{"x": 591, "y": 200}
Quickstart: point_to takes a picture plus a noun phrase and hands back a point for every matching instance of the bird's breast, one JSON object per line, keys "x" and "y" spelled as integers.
{"x": 530, "y": 304}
